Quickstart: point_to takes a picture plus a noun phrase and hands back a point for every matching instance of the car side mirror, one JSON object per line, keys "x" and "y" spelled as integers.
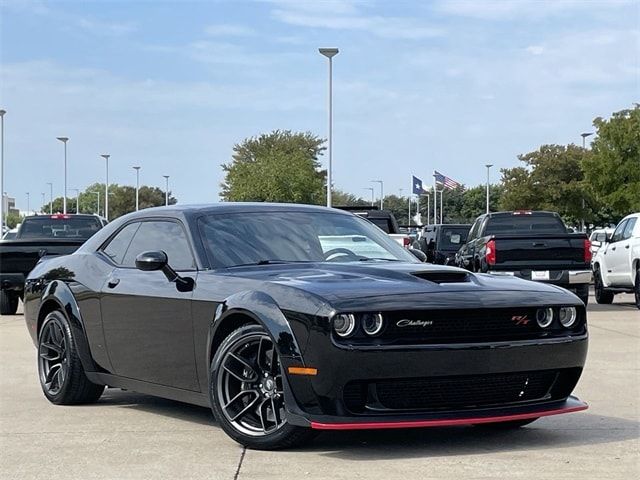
{"x": 158, "y": 260}
{"x": 419, "y": 254}
{"x": 608, "y": 237}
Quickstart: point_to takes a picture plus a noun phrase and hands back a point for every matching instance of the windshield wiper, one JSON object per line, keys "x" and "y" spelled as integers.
{"x": 268, "y": 262}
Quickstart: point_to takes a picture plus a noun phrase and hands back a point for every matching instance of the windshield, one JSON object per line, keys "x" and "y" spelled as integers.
{"x": 452, "y": 238}
{"x": 59, "y": 226}
{"x": 252, "y": 238}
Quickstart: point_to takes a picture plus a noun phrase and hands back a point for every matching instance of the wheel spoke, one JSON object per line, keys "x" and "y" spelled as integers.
{"x": 249, "y": 406}
{"x": 276, "y": 412}
{"x": 262, "y": 413}
{"x": 273, "y": 361}
{"x": 248, "y": 373}
{"x": 51, "y": 374}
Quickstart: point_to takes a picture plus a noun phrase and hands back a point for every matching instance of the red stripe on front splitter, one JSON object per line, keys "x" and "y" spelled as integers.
{"x": 444, "y": 422}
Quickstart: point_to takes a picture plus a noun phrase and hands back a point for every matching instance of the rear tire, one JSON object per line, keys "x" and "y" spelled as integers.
{"x": 510, "y": 425}
{"x": 246, "y": 392}
{"x": 62, "y": 376}
{"x": 637, "y": 287}
{"x": 602, "y": 296}
{"x": 8, "y": 302}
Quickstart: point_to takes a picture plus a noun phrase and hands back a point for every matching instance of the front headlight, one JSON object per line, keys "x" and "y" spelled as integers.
{"x": 567, "y": 316}
{"x": 544, "y": 317}
{"x": 372, "y": 323}
{"x": 344, "y": 324}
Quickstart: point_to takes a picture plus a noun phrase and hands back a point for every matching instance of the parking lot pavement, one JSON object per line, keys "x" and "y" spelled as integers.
{"x": 132, "y": 436}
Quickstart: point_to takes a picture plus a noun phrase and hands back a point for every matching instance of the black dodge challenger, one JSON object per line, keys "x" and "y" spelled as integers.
{"x": 289, "y": 319}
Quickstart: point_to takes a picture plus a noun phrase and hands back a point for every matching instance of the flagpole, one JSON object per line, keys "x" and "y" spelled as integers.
{"x": 435, "y": 199}
{"x": 428, "y": 211}
{"x": 410, "y": 190}
{"x": 418, "y": 208}
{"x": 441, "y": 193}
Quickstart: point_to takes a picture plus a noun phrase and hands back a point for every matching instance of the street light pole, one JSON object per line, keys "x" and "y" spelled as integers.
{"x": 381, "y": 192}
{"x": 372, "y": 193}
{"x": 166, "y": 190}
{"x": 137, "y": 169}
{"x": 330, "y": 53}
{"x": 488, "y": 165}
{"x": 28, "y": 202}
{"x": 77, "y": 199}
{"x": 2, "y": 112}
{"x": 64, "y": 199}
{"x": 106, "y": 189}
{"x": 584, "y": 136}
{"x": 50, "y": 198}
{"x": 43, "y": 202}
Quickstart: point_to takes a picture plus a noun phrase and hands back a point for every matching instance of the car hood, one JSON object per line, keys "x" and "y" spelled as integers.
{"x": 369, "y": 283}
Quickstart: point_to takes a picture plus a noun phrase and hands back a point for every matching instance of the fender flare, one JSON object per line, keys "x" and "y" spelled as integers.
{"x": 60, "y": 293}
{"x": 264, "y": 310}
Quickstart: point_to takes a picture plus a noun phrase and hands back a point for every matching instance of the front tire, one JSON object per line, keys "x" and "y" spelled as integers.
{"x": 246, "y": 392}
{"x": 62, "y": 376}
{"x": 636, "y": 289}
{"x": 8, "y": 302}
{"x": 602, "y": 296}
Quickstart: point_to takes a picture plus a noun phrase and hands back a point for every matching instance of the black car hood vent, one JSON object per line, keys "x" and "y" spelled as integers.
{"x": 443, "y": 277}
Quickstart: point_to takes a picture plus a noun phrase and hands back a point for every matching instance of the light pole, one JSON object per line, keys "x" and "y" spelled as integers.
{"x": 330, "y": 53}
{"x": 64, "y": 199}
{"x": 488, "y": 165}
{"x": 43, "y": 202}
{"x": 584, "y": 136}
{"x": 106, "y": 189}
{"x": 28, "y": 202}
{"x": 2, "y": 112}
{"x": 50, "y": 198}
{"x": 77, "y": 190}
{"x": 166, "y": 190}
{"x": 381, "y": 192}
{"x": 97, "y": 192}
{"x": 137, "y": 169}
{"x": 372, "y": 193}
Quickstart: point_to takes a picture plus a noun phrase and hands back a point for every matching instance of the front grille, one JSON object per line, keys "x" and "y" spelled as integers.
{"x": 464, "y": 325}
{"x": 459, "y": 392}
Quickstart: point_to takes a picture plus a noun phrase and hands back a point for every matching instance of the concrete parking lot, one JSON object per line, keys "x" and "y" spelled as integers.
{"x": 132, "y": 436}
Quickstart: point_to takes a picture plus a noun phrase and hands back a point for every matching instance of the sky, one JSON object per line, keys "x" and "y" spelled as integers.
{"x": 171, "y": 86}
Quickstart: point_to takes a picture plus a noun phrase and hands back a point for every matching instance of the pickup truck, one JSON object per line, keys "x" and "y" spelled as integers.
{"x": 616, "y": 266}
{"x": 530, "y": 245}
{"x": 441, "y": 242}
{"x": 39, "y": 236}
{"x": 384, "y": 220}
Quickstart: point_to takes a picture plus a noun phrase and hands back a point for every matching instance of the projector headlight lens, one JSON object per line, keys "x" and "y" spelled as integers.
{"x": 344, "y": 324}
{"x": 567, "y": 316}
{"x": 544, "y": 317}
{"x": 372, "y": 323}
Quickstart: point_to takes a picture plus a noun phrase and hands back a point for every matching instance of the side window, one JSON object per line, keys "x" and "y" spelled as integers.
{"x": 474, "y": 229}
{"x": 161, "y": 235}
{"x": 117, "y": 247}
{"x": 628, "y": 230}
{"x": 617, "y": 234}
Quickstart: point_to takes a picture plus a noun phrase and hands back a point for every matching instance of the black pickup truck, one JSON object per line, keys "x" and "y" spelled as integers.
{"x": 440, "y": 242}
{"x": 530, "y": 245}
{"x": 39, "y": 236}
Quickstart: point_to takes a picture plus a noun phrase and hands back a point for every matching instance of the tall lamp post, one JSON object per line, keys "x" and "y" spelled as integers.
{"x": 381, "y": 192}
{"x": 372, "y": 193}
{"x": 137, "y": 169}
{"x": 64, "y": 199}
{"x": 330, "y": 53}
{"x": 77, "y": 190}
{"x": 488, "y": 165}
{"x": 106, "y": 189}
{"x": 50, "y": 197}
{"x": 166, "y": 190}
{"x": 28, "y": 202}
{"x": 2, "y": 112}
{"x": 43, "y": 202}
{"x": 584, "y": 137}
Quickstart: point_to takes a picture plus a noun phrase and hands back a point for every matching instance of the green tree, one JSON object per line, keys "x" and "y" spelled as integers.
{"x": 475, "y": 201}
{"x": 122, "y": 200}
{"x": 345, "y": 199}
{"x": 612, "y": 169}
{"x": 280, "y": 166}
{"x": 12, "y": 219}
{"x": 552, "y": 179}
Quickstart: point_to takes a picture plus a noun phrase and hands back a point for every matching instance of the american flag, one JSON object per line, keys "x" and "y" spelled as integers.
{"x": 446, "y": 181}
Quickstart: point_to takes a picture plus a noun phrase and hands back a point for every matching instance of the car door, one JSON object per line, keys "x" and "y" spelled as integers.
{"x": 613, "y": 255}
{"x": 622, "y": 259}
{"x": 147, "y": 322}
{"x": 466, "y": 252}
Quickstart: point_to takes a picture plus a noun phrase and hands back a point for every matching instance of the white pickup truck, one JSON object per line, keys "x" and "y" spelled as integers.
{"x": 616, "y": 266}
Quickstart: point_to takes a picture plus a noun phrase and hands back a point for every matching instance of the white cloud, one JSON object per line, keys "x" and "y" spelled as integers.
{"x": 535, "y": 49}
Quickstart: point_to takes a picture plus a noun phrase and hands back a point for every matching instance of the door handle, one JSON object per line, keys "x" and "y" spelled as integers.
{"x": 113, "y": 282}
{"x": 613, "y": 248}
{"x": 626, "y": 246}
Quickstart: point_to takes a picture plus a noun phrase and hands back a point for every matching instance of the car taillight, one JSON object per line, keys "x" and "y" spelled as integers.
{"x": 406, "y": 241}
{"x": 490, "y": 252}
{"x": 587, "y": 250}
{"x": 59, "y": 216}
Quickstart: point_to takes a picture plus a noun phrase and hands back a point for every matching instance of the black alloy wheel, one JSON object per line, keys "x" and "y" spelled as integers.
{"x": 602, "y": 296}
{"x": 247, "y": 393}
{"x": 62, "y": 376}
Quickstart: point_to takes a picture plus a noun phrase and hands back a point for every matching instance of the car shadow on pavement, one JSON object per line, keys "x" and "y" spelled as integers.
{"x": 553, "y": 432}
{"x": 601, "y": 307}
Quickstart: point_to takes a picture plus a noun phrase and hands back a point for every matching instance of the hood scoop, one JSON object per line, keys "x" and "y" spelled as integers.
{"x": 443, "y": 277}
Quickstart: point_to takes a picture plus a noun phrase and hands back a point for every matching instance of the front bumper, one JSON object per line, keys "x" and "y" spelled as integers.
{"x": 570, "y": 405}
